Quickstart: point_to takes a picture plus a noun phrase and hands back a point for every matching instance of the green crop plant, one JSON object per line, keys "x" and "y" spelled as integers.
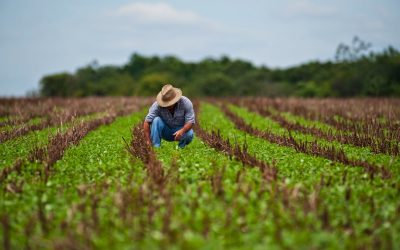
{"x": 21, "y": 146}
{"x": 348, "y": 187}
{"x": 228, "y": 189}
{"x": 100, "y": 157}
{"x": 353, "y": 152}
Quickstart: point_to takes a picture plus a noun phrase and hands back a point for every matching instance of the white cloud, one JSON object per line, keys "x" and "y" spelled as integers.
{"x": 310, "y": 9}
{"x": 157, "y": 13}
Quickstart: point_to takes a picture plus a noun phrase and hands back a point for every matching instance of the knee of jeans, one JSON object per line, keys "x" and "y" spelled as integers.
{"x": 158, "y": 121}
{"x": 189, "y": 134}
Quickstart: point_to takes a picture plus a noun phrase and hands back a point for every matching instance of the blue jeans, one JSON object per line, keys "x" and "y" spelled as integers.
{"x": 160, "y": 130}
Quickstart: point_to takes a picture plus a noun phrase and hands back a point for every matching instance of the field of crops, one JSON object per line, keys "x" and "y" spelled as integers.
{"x": 260, "y": 174}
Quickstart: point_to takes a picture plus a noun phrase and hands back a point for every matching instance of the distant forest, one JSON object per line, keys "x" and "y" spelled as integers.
{"x": 355, "y": 71}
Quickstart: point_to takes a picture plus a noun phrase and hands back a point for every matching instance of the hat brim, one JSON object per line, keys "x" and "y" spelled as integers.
{"x": 164, "y": 104}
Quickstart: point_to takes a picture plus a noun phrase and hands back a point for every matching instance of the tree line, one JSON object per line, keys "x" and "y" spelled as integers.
{"x": 355, "y": 71}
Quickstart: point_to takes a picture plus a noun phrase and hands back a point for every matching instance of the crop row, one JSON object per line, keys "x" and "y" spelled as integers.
{"x": 21, "y": 147}
{"x": 377, "y": 145}
{"x": 241, "y": 199}
{"x": 19, "y": 110}
{"x": 313, "y": 148}
{"x": 215, "y": 140}
{"x": 325, "y": 202}
{"x": 212, "y": 194}
{"x": 231, "y": 205}
{"x": 69, "y": 110}
{"x": 58, "y": 143}
{"x": 144, "y": 151}
{"x": 378, "y": 119}
{"x": 340, "y": 111}
{"x": 50, "y": 207}
{"x": 345, "y": 194}
{"x": 96, "y": 215}
{"x": 351, "y": 152}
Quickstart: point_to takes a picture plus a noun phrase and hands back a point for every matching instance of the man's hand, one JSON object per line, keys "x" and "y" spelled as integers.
{"x": 178, "y": 134}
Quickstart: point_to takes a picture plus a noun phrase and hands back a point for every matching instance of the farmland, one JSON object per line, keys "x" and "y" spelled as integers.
{"x": 260, "y": 173}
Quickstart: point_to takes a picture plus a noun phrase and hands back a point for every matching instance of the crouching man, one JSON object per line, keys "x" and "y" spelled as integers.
{"x": 171, "y": 117}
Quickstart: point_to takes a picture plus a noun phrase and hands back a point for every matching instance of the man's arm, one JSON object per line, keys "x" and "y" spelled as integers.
{"x": 178, "y": 134}
{"x": 153, "y": 113}
{"x": 146, "y": 130}
{"x": 189, "y": 120}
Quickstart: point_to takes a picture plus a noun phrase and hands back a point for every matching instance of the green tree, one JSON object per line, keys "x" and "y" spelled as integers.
{"x": 61, "y": 84}
{"x": 217, "y": 85}
{"x": 151, "y": 84}
{"x": 353, "y": 73}
{"x": 114, "y": 85}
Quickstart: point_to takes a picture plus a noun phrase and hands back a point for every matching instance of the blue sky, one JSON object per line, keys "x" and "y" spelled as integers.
{"x": 39, "y": 37}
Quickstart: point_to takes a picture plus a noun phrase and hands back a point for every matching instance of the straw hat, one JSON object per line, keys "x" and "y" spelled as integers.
{"x": 168, "y": 96}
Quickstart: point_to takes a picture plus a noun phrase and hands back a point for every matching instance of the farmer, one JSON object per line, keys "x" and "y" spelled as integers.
{"x": 171, "y": 117}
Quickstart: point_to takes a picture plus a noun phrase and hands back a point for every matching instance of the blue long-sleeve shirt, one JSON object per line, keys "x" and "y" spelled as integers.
{"x": 183, "y": 113}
